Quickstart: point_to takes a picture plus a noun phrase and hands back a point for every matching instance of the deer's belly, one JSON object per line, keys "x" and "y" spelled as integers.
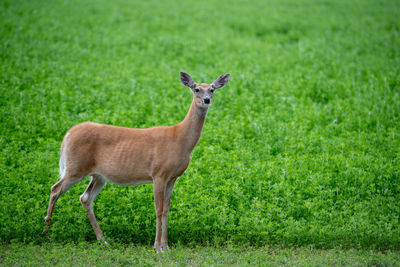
{"x": 125, "y": 174}
{"x": 126, "y": 180}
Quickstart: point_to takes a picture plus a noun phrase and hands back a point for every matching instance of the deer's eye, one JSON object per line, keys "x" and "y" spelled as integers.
{"x": 197, "y": 90}
{"x": 212, "y": 90}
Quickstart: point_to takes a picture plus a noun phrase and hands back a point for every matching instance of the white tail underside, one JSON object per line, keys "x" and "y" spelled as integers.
{"x": 63, "y": 167}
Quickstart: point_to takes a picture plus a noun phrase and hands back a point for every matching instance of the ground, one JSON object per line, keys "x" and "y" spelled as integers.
{"x": 92, "y": 254}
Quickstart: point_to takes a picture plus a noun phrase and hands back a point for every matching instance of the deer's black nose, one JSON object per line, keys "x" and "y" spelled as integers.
{"x": 206, "y": 101}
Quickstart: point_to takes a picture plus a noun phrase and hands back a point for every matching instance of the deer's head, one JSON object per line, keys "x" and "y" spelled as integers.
{"x": 204, "y": 92}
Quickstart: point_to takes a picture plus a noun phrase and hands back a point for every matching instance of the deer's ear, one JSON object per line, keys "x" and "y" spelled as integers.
{"x": 187, "y": 80}
{"x": 221, "y": 81}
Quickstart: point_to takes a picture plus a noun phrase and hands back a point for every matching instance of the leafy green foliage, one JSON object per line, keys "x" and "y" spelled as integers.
{"x": 301, "y": 148}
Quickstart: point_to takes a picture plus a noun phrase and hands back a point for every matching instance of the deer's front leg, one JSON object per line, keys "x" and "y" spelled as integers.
{"x": 167, "y": 201}
{"x": 159, "y": 188}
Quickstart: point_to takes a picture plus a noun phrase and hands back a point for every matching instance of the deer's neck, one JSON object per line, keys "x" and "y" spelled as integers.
{"x": 191, "y": 127}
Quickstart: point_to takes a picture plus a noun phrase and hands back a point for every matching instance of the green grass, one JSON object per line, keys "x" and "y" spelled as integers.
{"x": 301, "y": 148}
{"x": 89, "y": 254}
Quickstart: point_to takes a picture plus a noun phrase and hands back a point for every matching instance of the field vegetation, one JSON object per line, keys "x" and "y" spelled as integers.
{"x": 301, "y": 148}
{"x": 89, "y": 254}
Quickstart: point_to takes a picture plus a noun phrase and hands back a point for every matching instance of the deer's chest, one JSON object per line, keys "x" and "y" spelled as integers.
{"x": 172, "y": 167}
{"x": 182, "y": 168}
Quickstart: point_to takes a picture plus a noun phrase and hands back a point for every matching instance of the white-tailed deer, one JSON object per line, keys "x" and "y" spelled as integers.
{"x": 128, "y": 156}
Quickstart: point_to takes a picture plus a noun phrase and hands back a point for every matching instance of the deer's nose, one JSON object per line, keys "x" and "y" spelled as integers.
{"x": 207, "y": 101}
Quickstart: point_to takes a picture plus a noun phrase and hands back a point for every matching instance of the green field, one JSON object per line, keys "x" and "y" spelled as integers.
{"x": 300, "y": 149}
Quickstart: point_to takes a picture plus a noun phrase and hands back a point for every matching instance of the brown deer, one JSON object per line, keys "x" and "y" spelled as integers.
{"x": 129, "y": 156}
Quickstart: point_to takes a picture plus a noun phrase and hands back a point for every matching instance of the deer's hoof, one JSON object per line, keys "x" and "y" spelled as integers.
{"x": 45, "y": 230}
{"x": 103, "y": 242}
{"x": 164, "y": 247}
{"x": 158, "y": 248}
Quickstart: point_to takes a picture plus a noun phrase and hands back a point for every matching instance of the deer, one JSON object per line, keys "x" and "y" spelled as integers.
{"x": 133, "y": 156}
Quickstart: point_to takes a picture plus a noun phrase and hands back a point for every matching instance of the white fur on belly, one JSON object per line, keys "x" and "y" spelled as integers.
{"x": 137, "y": 182}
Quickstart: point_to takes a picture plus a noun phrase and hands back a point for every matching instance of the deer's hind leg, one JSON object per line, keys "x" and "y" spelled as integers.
{"x": 93, "y": 189}
{"x": 56, "y": 191}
